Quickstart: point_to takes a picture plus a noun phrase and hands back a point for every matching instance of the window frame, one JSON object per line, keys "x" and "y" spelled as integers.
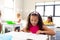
{"x": 54, "y": 5}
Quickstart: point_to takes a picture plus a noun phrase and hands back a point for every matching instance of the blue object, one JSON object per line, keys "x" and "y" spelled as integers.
{"x": 5, "y": 37}
{"x": 58, "y": 35}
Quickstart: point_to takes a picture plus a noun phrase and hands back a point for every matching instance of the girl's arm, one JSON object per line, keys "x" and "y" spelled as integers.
{"x": 24, "y": 29}
{"x": 52, "y": 23}
{"x": 46, "y": 31}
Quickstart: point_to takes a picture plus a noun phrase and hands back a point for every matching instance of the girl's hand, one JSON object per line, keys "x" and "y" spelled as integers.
{"x": 39, "y": 32}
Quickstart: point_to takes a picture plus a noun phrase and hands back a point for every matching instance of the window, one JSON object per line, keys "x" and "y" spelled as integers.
{"x": 8, "y": 3}
{"x": 48, "y": 10}
{"x": 8, "y": 10}
{"x": 40, "y": 10}
{"x": 8, "y": 14}
{"x": 57, "y": 10}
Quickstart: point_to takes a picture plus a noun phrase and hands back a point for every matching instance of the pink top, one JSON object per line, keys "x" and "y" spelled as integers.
{"x": 34, "y": 29}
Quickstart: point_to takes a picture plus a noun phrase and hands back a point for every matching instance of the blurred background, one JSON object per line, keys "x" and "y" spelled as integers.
{"x": 10, "y": 8}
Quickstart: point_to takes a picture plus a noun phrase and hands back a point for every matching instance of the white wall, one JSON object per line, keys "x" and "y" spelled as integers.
{"x": 1, "y": 4}
{"x": 29, "y": 6}
{"x": 18, "y": 7}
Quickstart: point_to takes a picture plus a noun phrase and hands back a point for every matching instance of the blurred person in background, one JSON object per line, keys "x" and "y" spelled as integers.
{"x": 49, "y": 21}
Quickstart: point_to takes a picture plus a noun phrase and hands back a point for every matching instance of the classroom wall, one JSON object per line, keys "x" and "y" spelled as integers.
{"x": 18, "y": 6}
{"x": 24, "y": 7}
{"x": 1, "y": 3}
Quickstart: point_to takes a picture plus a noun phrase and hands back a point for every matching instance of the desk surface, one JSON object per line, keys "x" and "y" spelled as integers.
{"x": 25, "y": 36}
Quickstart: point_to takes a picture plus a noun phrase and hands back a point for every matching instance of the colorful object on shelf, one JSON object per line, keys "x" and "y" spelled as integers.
{"x": 10, "y": 22}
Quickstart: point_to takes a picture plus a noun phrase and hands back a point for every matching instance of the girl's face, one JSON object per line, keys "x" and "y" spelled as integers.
{"x": 34, "y": 20}
{"x": 18, "y": 15}
{"x": 49, "y": 19}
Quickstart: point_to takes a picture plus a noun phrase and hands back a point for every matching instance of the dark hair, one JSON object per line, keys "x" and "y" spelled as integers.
{"x": 40, "y": 22}
{"x": 0, "y": 27}
{"x": 50, "y": 17}
{"x": 0, "y": 14}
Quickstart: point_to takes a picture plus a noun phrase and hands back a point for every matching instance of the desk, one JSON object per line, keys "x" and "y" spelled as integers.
{"x": 53, "y": 28}
{"x": 25, "y": 36}
{"x": 7, "y": 27}
{"x": 11, "y": 27}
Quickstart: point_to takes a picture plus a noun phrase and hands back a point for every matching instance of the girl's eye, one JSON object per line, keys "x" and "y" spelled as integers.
{"x": 33, "y": 20}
